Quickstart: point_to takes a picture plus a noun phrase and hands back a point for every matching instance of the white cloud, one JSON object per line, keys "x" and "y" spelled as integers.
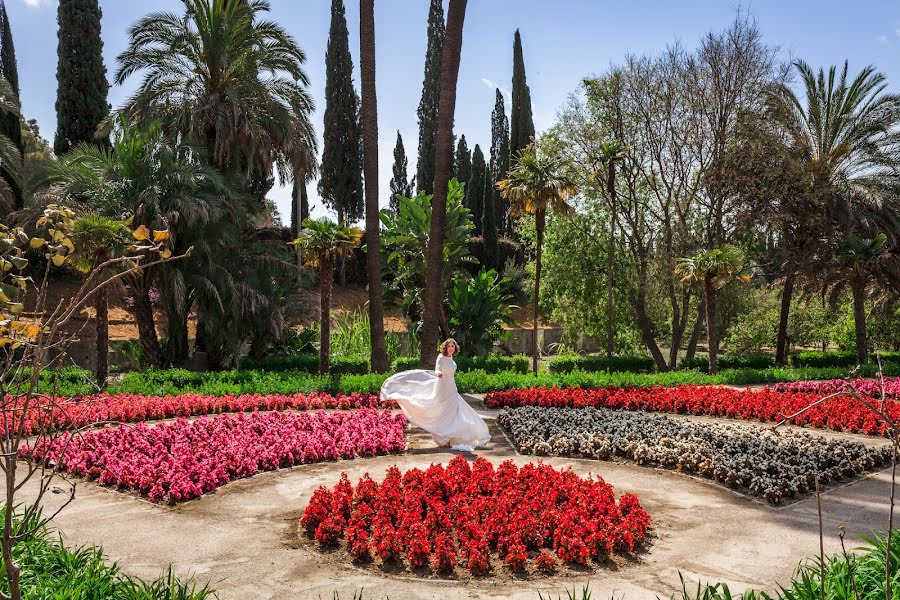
{"x": 36, "y": 3}
{"x": 493, "y": 86}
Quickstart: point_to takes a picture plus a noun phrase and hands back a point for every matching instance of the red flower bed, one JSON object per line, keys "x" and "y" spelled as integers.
{"x": 79, "y": 411}
{"x": 470, "y": 514}
{"x": 177, "y": 461}
{"x": 839, "y": 414}
{"x": 866, "y": 387}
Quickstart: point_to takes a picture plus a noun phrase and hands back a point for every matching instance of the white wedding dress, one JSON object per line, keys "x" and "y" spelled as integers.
{"x": 434, "y": 404}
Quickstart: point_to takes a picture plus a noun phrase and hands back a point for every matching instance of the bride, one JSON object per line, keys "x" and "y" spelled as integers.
{"x": 430, "y": 401}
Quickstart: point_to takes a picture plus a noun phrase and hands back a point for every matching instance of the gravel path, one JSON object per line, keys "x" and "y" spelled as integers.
{"x": 243, "y": 538}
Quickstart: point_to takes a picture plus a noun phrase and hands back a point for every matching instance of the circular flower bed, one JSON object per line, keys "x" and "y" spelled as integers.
{"x": 533, "y": 517}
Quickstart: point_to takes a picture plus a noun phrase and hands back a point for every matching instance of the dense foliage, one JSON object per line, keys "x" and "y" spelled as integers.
{"x": 468, "y": 514}
{"x": 428, "y": 104}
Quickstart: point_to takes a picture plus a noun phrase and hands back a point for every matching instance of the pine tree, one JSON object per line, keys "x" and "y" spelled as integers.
{"x": 400, "y": 185}
{"x": 428, "y": 105}
{"x": 521, "y": 120}
{"x": 10, "y": 124}
{"x": 499, "y": 162}
{"x": 475, "y": 188}
{"x": 462, "y": 162}
{"x": 340, "y": 181}
{"x": 82, "y": 87}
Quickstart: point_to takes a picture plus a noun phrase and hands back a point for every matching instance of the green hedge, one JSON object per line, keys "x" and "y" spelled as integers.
{"x": 307, "y": 363}
{"x": 590, "y": 364}
{"x": 745, "y": 361}
{"x": 834, "y": 358}
{"x": 491, "y": 363}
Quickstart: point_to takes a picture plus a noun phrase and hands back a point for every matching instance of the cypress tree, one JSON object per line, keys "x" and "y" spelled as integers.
{"x": 475, "y": 188}
{"x": 521, "y": 125}
{"x": 340, "y": 181}
{"x": 80, "y": 75}
{"x": 499, "y": 162}
{"x": 10, "y": 125}
{"x": 462, "y": 162}
{"x": 400, "y": 185}
{"x": 489, "y": 224}
{"x": 428, "y": 105}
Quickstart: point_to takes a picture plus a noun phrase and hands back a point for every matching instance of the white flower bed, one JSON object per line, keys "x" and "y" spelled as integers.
{"x": 774, "y": 464}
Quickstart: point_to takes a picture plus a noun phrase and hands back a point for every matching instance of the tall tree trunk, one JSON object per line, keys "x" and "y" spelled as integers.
{"x": 648, "y": 335}
{"x": 369, "y": 114}
{"x": 787, "y": 293}
{"x": 859, "y": 320}
{"x": 610, "y": 252}
{"x": 143, "y": 316}
{"x": 101, "y": 307}
{"x": 326, "y": 272}
{"x": 711, "y": 331}
{"x": 297, "y": 220}
{"x": 456, "y": 14}
{"x": 679, "y": 324}
{"x": 691, "y": 349}
{"x": 539, "y": 221}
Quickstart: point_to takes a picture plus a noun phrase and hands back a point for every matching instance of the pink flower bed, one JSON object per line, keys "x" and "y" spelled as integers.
{"x": 866, "y": 387}
{"x": 177, "y": 461}
{"x": 79, "y": 411}
{"x": 839, "y": 414}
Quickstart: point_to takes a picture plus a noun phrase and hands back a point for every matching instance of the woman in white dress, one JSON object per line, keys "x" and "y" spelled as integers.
{"x": 431, "y": 401}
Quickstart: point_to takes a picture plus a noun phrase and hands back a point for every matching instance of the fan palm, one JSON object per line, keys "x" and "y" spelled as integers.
{"x": 98, "y": 239}
{"x": 611, "y": 153}
{"x": 537, "y": 183}
{"x": 225, "y": 78}
{"x": 324, "y": 241}
{"x": 715, "y": 269}
{"x": 848, "y": 132}
{"x": 10, "y": 156}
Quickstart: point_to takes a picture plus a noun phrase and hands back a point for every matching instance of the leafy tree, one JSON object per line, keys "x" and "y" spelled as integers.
{"x": 369, "y": 116}
{"x": 406, "y": 235}
{"x": 479, "y": 308}
{"x": 521, "y": 126}
{"x": 228, "y": 81}
{"x": 489, "y": 222}
{"x": 324, "y": 242}
{"x": 499, "y": 162}
{"x": 428, "y": 104}
{"x": 400, "y": 185}
{"x": 340, "y": 181}
{"x": 98, "y": 239}
{"x": 474, "y": 200}
{"x": 462, "y": 163}
{"x": 81, "y": 103}
{"x": 537, "y": 183}
{"x": 11, "y": 124}
{"x": 452, "y": 49}
{"x": 10, "y": 156}
{"x": 611, "y": 153}
{"x": 715, "y": 269}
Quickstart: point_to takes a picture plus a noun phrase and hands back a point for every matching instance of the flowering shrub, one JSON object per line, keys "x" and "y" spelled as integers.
{"x": 839, "y": 414}
{"x": 866, "y": 387}
{"x": 466, "y": 513}
{"x": 177, "y": 461}
{"x": 79, "y": 411}
{"x": 774, "y": 464}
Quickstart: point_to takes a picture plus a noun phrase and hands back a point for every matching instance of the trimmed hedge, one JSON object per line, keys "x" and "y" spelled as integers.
{"x": 491, "y": 363}
{"x": 746, "y": 361}
{"x": 307, "y": 363}
{"x": 591, "y": 364}
{"x": 834, "y": 358}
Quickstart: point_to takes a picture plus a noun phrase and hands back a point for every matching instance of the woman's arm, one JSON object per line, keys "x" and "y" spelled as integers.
{"x": 437, "y": 367}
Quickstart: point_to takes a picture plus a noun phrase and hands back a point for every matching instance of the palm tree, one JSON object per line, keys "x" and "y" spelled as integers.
{"x": 536, "y": 184}
{"x": 847, "y": 131}
{"x": 453, "y": 34}
{"x": 325, "y": 241}
{"x": 715, "y": 269}
{"x": 226, "y": 79}
{"x": 369, "y": 120}
{"x": 10, "y": 157}
{"x": 610, "y": 154}
{"x": 98, "y": 239}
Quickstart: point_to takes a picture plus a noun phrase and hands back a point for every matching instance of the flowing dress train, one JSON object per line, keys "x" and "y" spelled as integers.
{"x": 434, "y": 404}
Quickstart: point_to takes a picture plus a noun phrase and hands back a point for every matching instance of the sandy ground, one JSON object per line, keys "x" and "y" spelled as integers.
{"x": 243, "y": 538}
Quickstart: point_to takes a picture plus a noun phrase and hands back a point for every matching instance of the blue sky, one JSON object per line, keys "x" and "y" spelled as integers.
{"x": 563, "y": 41}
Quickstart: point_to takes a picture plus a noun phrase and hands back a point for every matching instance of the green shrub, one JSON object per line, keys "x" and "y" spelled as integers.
{"x": 739, "y": 361}
{"x": 307, "y": 363}
{"x": 629, "y": 364}
{"x": 823, "y": 359}
{"x": 491, "y": 363}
